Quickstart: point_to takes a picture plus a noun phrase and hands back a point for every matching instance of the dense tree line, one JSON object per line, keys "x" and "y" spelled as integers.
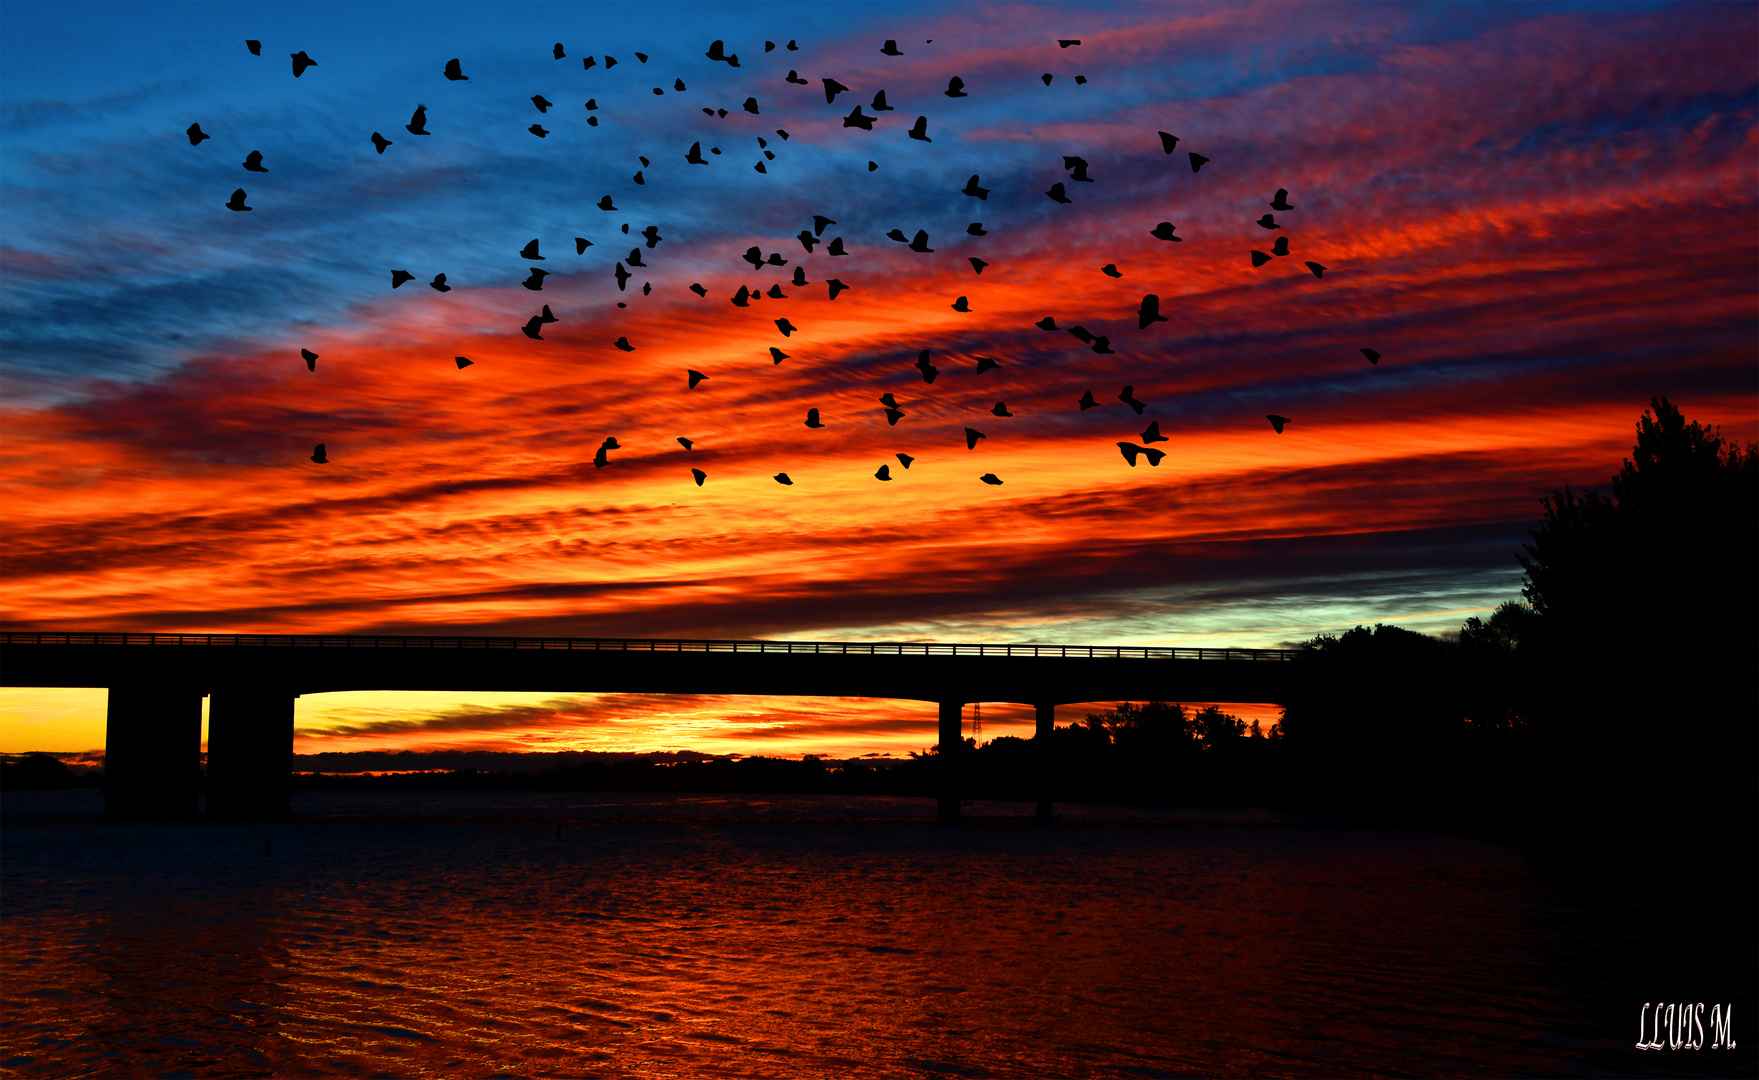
{"x": 1621, "y": 699}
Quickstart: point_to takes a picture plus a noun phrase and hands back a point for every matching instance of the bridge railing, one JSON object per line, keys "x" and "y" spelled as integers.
{"x": 836, "y": 648}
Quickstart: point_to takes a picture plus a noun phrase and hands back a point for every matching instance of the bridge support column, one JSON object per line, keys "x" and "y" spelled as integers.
{"x": 250, "y": 753}
{"x": 1047, "y": 726}
{"x": 152, "y": 752}
{"x": 952, "y": 758}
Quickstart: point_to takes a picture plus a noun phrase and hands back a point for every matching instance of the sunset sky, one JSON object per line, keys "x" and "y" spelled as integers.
{"x": 1541, "y": 216}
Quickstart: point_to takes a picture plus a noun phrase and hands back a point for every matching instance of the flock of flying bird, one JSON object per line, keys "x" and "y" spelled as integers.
{"x": 1147, "y": 314}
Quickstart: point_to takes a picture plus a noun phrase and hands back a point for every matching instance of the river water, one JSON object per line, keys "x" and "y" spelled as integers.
{"x": 461, "y": 934}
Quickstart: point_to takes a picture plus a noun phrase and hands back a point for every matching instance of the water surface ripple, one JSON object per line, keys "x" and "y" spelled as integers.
{"x": 456, "y": 934}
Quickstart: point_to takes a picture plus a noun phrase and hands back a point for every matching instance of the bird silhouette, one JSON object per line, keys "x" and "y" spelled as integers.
{"x": 602, "y": 458}
{"x": 1318, "y": 270}
{"x": 976, "y": 229}
{"x": 832, "y": 89}
{"x": 532, "y": 327}
{"x": 1081, "y": 333}
{"x": 1047, "y": 323}
{"x": 1281, "y": 202}
{"x": 893, "y": 416}
{"x": 787, "y": 328}
{"x": 857, "y": 119}
{"x": 301, "y": 62}
{"x": 782, "y": 478}
{"x": 777, "y": 355}
{"x": 697, "y": 288}
{"x": 1151, "y": 434}
{"x": 800, "y": 281}
{"x": 984, "y": 363}
{"x": 196, "y": 134}
{"x": 311, "y": 359}
{"x": 253, "y": 161}
{"x": 539, "y": 130}
{"x": 890, "y": 48}
{"x": 623, "y": 277}
{"x": 794, "y": 77}
{"x": 1058, "y": 195}
{"x": 1047, "y": 78}
{"x": 1281, "y": 247}
{"x": 536, "y": 280}
{"x": 961, "y": 305}
{"x": 255, "y": 46}
{"x": 742, "y": 298}
{"x": 879, "y": 103}
{"x": 1259, "y": 258}
{"x": 898, "y": 235}
{"x": 973, "y": 190}
{"x": 1077, "y": 167}
{"x": 1277, "y": 421}
{"x": 1128, "y": 397}
{"x": 1149, "y": 312}
{"x": 557, "y": 52}
{"x": 439, "y": 284}
{"x": 754, "y": 256}
{"x": 929, "y": 371}
{"x": 455, "y": 73}
{"x": 920, "y": 131}
{"x": 634, "y": 258}
{"x": 462, "y": 362}
{"x": 398, "y": 277}
{"x": 819, "y": 221}
{"x": 652, "y": 233}
{"x": 685, "y": 443}
{"x": 1167, "y": 142}
{"x": 955, "y": 88}
{"x": 1103, "y": 345}
{"x": 699, "y": 476}
{"x": 236, "y": 202}
{"x": 991, "y": 479}
{"x": 977, "y": 264}
{"x": 1064, "y": 43}
{"x": 836, "y": 287}
{"x": 1268, "y": 221}
{"x": 622, "y": 344}
{"x": 318, "y": 456}
{"x": 812, "y": 420}
{"x": 678, "y": 85}
{"x": 543, "y": 104}
{"x": 380, "y": 142}
{"x": 1001, "y": 409}
{"x": 1087, "y": 401}
{"x": 1111, "y": 270}
{"x": 529, "y": 251}
{"x": 694, "y": 376}
{"x": 547, "y": 317}
{"x": 1164, "y": 231}
{"x": 1373, "y": 357}
{"x": 920, "y": 242}
{"x": 695, "y": 155}
{"x": 884, "y": 473}
{"x": 971, "y": 437}
{"x": 1132, "y": 452}
{"x": 904, "y": 459}
{"x": 1198, "y": 161}
{"x": 588, "y": 63}
{"x": 418, "y": 122}
{"x": 581, "y": 243}
{"x": 717, "y": 51}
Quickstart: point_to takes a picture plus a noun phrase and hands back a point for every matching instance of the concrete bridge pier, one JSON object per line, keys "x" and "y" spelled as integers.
{"x": 250, "y": 752}
{"x": 1047, "y": 725}
{"x": 952, "y": 758}
{"x": 152, "y": 751}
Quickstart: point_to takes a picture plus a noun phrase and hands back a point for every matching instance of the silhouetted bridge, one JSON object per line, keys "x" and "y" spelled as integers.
{"x": 157, "y": 681}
